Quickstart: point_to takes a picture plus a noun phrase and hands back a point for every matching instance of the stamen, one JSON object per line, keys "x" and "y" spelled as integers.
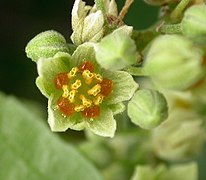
{"x": 98, "y": 77}
{"x": 65, "y": 91}
{"x": 72, "y": 73}
{"x": 87, "y": 75}
{"x": 79, "y": 108}
{"x": 95, "y": 90}
{"x": 72, "y": 94}
{"x": 86, "y": 102}
{"x": 76, "y": 85}
{"x": 98, "y": 100}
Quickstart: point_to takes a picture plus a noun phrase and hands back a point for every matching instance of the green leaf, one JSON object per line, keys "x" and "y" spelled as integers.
{"x": 29, "y": 150}
{"x": 45, "y": 45}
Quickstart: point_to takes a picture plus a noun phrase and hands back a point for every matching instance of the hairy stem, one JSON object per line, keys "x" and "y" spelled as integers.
{"x": 170, "y": 28}
{"x": 177, "y": 12}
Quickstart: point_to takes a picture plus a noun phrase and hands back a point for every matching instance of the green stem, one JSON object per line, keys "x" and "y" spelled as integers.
{"x": 136, "y": 71}
{"x": 171, "y": 28}
{"x": 100, "y": 5}
{"x": 177, "y": 12}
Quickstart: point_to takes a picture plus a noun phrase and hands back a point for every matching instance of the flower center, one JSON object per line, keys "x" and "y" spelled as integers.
{"x": 83, "y": 90}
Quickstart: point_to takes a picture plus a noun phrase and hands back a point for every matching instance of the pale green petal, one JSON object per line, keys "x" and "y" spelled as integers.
{"x": 116, "y": 51}
{"x": 79, "y": 11}
{"x": 117, "y": 108}
{"x": 124, "y": 86}
{"x": 98, "y": 36}
{"x": 76, "y": 36}
{"x": 112, "y": 9}
{"x": 104, "y": 125}
{"x": 84, "y": 52}
{"x": 59, "y": 122}
{"x": 45, "y": 87}
{"x": 127, "y": 30}
{"x": 93, "y": 24}
{"x": 49, "y": 68}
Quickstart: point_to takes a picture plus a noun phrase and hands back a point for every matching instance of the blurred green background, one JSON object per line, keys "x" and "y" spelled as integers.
{"x": 22, "y": 20}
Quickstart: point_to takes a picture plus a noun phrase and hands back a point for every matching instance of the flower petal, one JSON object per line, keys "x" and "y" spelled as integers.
{"x": 49, "y": 68}
{"x": 117, "y": 108}
{"x": 93, "y": 24}
{"x": 84, "y": 52}
{"x": 104, "y": 125}
{"x": 79, "y": 11}
{"x": 124, "y": 86}
{"x": 58, "y": 122}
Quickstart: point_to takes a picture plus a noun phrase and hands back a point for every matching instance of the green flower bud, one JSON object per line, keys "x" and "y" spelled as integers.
{"x": 180, "y": 137}
{"x": 173, "y": 62}
{"x": 116, "y": 51}
{"x": 194, "y": 22}
{"x": 147, "y": 109}
{"x": 176, "y": 172}
{"x": 45, "y": 45}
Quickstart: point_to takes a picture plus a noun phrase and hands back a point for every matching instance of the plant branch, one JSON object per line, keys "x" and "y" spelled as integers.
{"x": 125, "y": 9}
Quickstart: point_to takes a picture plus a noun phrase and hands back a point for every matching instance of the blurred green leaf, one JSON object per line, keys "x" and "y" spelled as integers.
{"x": 28, "y": 150}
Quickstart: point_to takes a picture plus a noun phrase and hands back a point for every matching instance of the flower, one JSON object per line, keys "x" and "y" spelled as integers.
{"x": 90, "y": 24}
{"x": 81, "y": 94}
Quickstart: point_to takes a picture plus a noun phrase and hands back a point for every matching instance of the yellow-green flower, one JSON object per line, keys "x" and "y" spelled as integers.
{"x": 82, "y": 94}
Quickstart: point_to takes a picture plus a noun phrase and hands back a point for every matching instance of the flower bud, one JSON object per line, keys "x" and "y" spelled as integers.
{"x": 116, "y": 51}
{"x": 180, "y": 137}
{"x": 188, "y": 170}
{"x": 194, "y": 22}
{"x": 147, "y": 109}
{"x": 173, "y": 62}
{"x": 45, "y": 45}
{"x": 86, "y": 28}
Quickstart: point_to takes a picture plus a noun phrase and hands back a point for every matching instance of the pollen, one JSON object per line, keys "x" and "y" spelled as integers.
{"x": 94, "y": 90}
{"x": 98, "y": 77}
{"x": 86, "y": 102}
{"x": 98, "y": 99}
{"x": 72, "y": 94}
{"x": 88, "y": 76}
{"x": 79, "y": 108}
{"x": 72, "y": 73}
{"x": 65, "y": 91}
{"x": 76, "y": 85}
